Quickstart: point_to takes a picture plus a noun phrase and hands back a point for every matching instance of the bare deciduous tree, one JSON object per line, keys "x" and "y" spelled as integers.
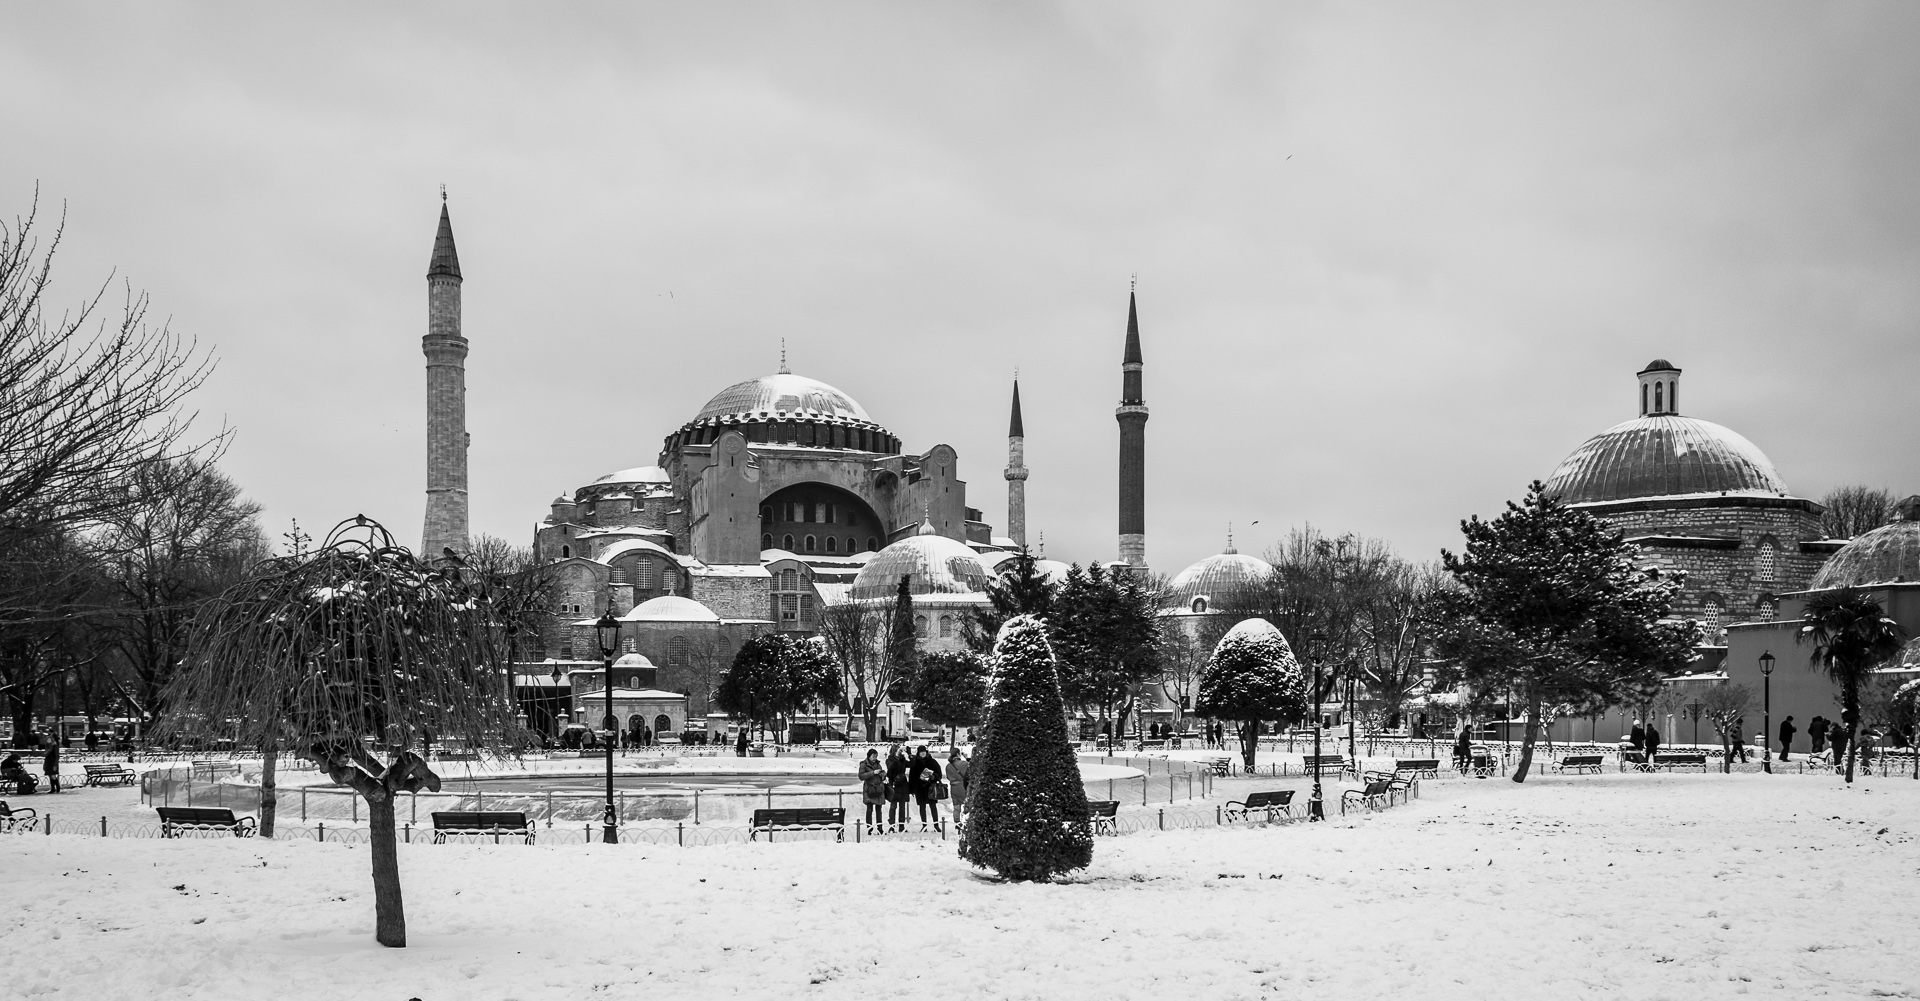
{"x": 1854, "y": 510}
{"x": 856, "y": 637}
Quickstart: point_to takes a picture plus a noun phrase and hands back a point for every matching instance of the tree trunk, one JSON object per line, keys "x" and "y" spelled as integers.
{"x": 1249, "y": 742}
{"x": 389, "y": 917}
{"x": 1850, "y": 696}
{"x": 1526, "y": 745}
{"x": 269, "y": 790}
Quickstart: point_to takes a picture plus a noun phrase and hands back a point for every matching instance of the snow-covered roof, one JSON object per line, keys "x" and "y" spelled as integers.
{"x": 625, "y": 546}
{"x": 638, "y": 474}
{"x": 729, "y": 570}
{"x": 670, "y": 608}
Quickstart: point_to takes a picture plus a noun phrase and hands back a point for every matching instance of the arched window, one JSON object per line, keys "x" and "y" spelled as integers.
{"x": 833, "y": 544}
{"x": 766, "y": 540}
{"x": 643, "y": 573}
{"x": 1710, "y": 616}
{"x": 566, "y": 551}
{"x": 1765, "y": 565}
{"x": 812, "y": 544}
{"x": 946, "y": 627}
{"x": 1643, "y": 399}
{"x": 871, "y": 546}
{"x": 787, "y": 544}
{"x": 1200, "y": 605}
{"x": 920, "y": 626}
{"x": 663, "y": 723}
{"x": 1659, "y": 396}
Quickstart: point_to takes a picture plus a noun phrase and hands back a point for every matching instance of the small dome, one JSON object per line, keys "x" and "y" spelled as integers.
{"x": 670, "y": 608}
{"x": 632, "y": 660}
{"x": 1888, "y": 554}
{"x": 936, "y": 564}
{"x": 1213, "y": 578}
{"x": 782, "y": 393}
{"x": 1659, "y": 365}
{"x": 1664, "y": 455}
{"x": 638, "y": 474}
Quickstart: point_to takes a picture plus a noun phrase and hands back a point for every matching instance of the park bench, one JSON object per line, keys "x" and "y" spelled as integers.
{"x": 1636, "y": 759}
{"x": 1680, "y": 760}
{"x": 1422, "y": 768}
{"x": 1480, "y": 764}
{"x": 1105, "y": 815}
{"x": 99, "y": 775}
{"x": 19, "y": 784}
{"x": 814, "y": 818}
{"x": 1582, "y": 762}
{"x": 481, "y": 824}
{"x": 1394, "y": 781}
{"x": 23, "y": 819}
{"x": 174, "y": 819}
{"x": 1222, "y": 766}
{"x": 1270, "y": 803}
{"x": 1377, "y": 794}
{"x": 1321, "y": 764}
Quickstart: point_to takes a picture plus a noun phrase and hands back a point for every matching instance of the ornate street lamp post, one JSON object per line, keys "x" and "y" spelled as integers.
{"x": 1316, "y": 651}
{"x": 1766, "y": 726}
{"x": 607, "y": 631}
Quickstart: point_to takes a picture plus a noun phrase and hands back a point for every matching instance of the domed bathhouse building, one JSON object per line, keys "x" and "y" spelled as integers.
{"x": 946, "y": 579}
{"x": 1194, "y": 607}
{"x": 1885, "y": 565}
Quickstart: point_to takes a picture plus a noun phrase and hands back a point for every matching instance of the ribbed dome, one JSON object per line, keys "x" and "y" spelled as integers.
{"x": 638, "y": 474}
{"x": 1213, "y": 578}
{"x": 1664, "y": 455}
{"x": 1888, "y": 554}
{"x": 938, "y": 565}
{"x": 782, "y": 394}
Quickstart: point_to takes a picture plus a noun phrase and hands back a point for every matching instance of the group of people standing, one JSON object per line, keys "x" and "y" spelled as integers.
{"x": 14, "y": 775}
{"x": 918, "y": 777}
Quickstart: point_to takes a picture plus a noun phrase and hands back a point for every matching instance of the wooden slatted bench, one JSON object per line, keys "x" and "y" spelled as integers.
{"x": 174, "y": 819}
{"x": 476, "y": 823}
{"x": 1222, "y": 766}
{"x": 1271, "y": 803}
{"x": 1422, "y": 768}
{"x": 1105, "y": 816}
{"x": 1378, "y": 794}
{"x": 1680, "y": 760}
{"x": 1323, "y": 763}
{"x": 815, "y": 818}
{"x": 23, "y": 819}
{"x": 1394, "y": 781}
{"x": 1579, "y": 763}
{"x": 99, "y": 775}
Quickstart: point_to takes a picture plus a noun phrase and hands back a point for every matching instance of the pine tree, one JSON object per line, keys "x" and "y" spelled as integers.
{"x": 903, "y": 640}
{"x": 1252, "y": 676}
{"x": 1018, "y": 589}
{"x": 1027, "y": 814}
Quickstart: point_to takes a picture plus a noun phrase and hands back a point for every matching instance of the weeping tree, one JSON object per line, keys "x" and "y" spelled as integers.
{"x": 1851, "y": 635}
{"x": 352, "y": 656}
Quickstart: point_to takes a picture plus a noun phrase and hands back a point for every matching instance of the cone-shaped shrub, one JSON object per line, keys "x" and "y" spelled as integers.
{"x": 1252, "y": 676}
{"x": 1027, "y": 814}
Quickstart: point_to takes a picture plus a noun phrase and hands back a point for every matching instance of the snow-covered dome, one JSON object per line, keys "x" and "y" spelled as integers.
{"x": 638, "y": 474}
{"x": 1206, "y": 583}
{"x": 632, "y": 660}
{"x": 670, "y": 608}
{"x": 782, "y": 394}
{"x": 1664, "y": 455}
{"x": 935, "y": 563}
{"x": 1888, "y": 554}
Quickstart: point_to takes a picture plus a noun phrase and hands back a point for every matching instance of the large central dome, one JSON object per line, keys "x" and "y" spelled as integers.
{"x": 782, "y": 394}
{"x": 1664, "y": 455}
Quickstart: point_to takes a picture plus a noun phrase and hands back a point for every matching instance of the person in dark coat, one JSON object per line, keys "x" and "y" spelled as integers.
{"x": 873, "y": 788}
{"x": 923, "y": 780}
{"x": 1462, "y": 750}
{"x": 1817, "y": 733}
{"x": 1638, "y": 738}
{"x": 1787, "y": 730}
{"x": 52, "y": 766}
{"x": 1653, "y": 743}
{"x": 1739, "y": 742}
{"x": 740, "y": 746}
{"x": 897, "y": 792}
{"x": 13, "y": 773}
{"x": 958, "y": 769}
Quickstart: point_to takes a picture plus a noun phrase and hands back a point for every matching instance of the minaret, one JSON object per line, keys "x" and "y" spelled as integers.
{"x": 446, "y": 350}
{"x": 1132, "y": 415}
{"x": 1016, "y": 474}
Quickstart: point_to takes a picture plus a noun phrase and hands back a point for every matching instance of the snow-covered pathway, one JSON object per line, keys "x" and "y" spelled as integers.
{"x": 1699, "y": 886}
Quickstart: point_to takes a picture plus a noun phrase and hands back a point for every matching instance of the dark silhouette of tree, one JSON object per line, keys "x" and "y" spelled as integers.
{"x": 1851, "y": 635}
{"x": 949, "y": 689}
{"x": 1253, "y": 676}
{"x": 1106, "y": 638}
{"x": 1018, "y": 589}
{"x": 776, "y": 675}
{"x": 856, "y": 636}
{"x": 1855, "y": 510}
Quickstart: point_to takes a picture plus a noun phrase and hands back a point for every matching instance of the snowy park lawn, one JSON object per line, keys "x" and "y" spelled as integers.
{"x": 1613, "y": 886}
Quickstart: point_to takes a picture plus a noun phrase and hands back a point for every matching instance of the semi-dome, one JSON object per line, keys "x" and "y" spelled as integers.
{"x": 782, "y": 394}
{"x": 935, "y": 564}
{"x": 638, "y": 474}
{"x": 1887, "y": 555}
{"x": 1204, "y": 584}
{"x": 670, "y": 608}
{"x": 1664, "y": 455}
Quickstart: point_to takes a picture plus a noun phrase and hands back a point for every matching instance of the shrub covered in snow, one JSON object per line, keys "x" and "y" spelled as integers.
{"x": 1027, "y": 814}
{"x": 1252, "y": 676}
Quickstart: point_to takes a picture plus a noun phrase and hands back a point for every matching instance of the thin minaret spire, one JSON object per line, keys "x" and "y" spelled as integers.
{"x": 1132, "y": 416}
{"x": 446, "y": 351}
{"x": 1016, "y": 472}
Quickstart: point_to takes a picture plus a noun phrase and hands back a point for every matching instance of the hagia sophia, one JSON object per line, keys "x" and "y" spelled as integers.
{"x": 782, "y": 496}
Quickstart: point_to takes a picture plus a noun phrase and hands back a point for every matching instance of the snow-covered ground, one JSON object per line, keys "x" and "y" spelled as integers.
{"x": 1700, "y": 886}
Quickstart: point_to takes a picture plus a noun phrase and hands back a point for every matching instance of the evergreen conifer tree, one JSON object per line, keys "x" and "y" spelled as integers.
{"x": 903, "y": 641}
{"x": 1027, "y": 814}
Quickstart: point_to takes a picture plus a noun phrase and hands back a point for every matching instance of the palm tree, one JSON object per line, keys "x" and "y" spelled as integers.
{"x": 1851, "y": 635}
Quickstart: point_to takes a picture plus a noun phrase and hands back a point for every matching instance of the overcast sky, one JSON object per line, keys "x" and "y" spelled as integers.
{"x": 1394, "y": 260}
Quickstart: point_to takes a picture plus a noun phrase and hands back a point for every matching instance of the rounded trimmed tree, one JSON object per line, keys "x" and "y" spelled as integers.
{"x": 1252, "y": 676}
{"x": 776, "y": 675}
{"x": 1027, "y": 814}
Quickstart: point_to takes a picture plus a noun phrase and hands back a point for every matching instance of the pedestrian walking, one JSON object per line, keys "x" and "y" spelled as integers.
{"x": 1638, "y": 738}
{"x": 1462, "y": 751}
{"x": 1869, "y": 743}
{"x": 1817, "y": 733}
{"x": 740, "y": 746}
{"x": 1787, "y": 730}
{"x": 873, "y": 788}
{"x": 1739, "y": 742}
{"x": 924, "y": 778}
{"x": 958, "y": 769}
{"x": 1653, "y": 744}
{"x": 897, "y": 791}
{"x": 52, "y": 766}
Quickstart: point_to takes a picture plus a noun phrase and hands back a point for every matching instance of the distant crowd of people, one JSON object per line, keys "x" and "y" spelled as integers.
{"x": 916, "y": 776}
{"x": 15, "y": 779}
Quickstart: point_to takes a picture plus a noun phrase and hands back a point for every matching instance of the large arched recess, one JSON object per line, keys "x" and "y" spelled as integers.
{"x": 803, "y": 511}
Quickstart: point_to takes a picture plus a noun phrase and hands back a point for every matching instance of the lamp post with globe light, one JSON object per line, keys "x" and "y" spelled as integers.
{"x": 1766, "y": 725}
{"x": 607, "y": 632}
{"x": 1316, "y": 651}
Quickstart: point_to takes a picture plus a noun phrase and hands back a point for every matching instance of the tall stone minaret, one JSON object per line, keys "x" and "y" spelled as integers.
{"x": 446, "y": 352}
{"x": 1016, "y": 474}
{"x": 1132, "y": 415}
